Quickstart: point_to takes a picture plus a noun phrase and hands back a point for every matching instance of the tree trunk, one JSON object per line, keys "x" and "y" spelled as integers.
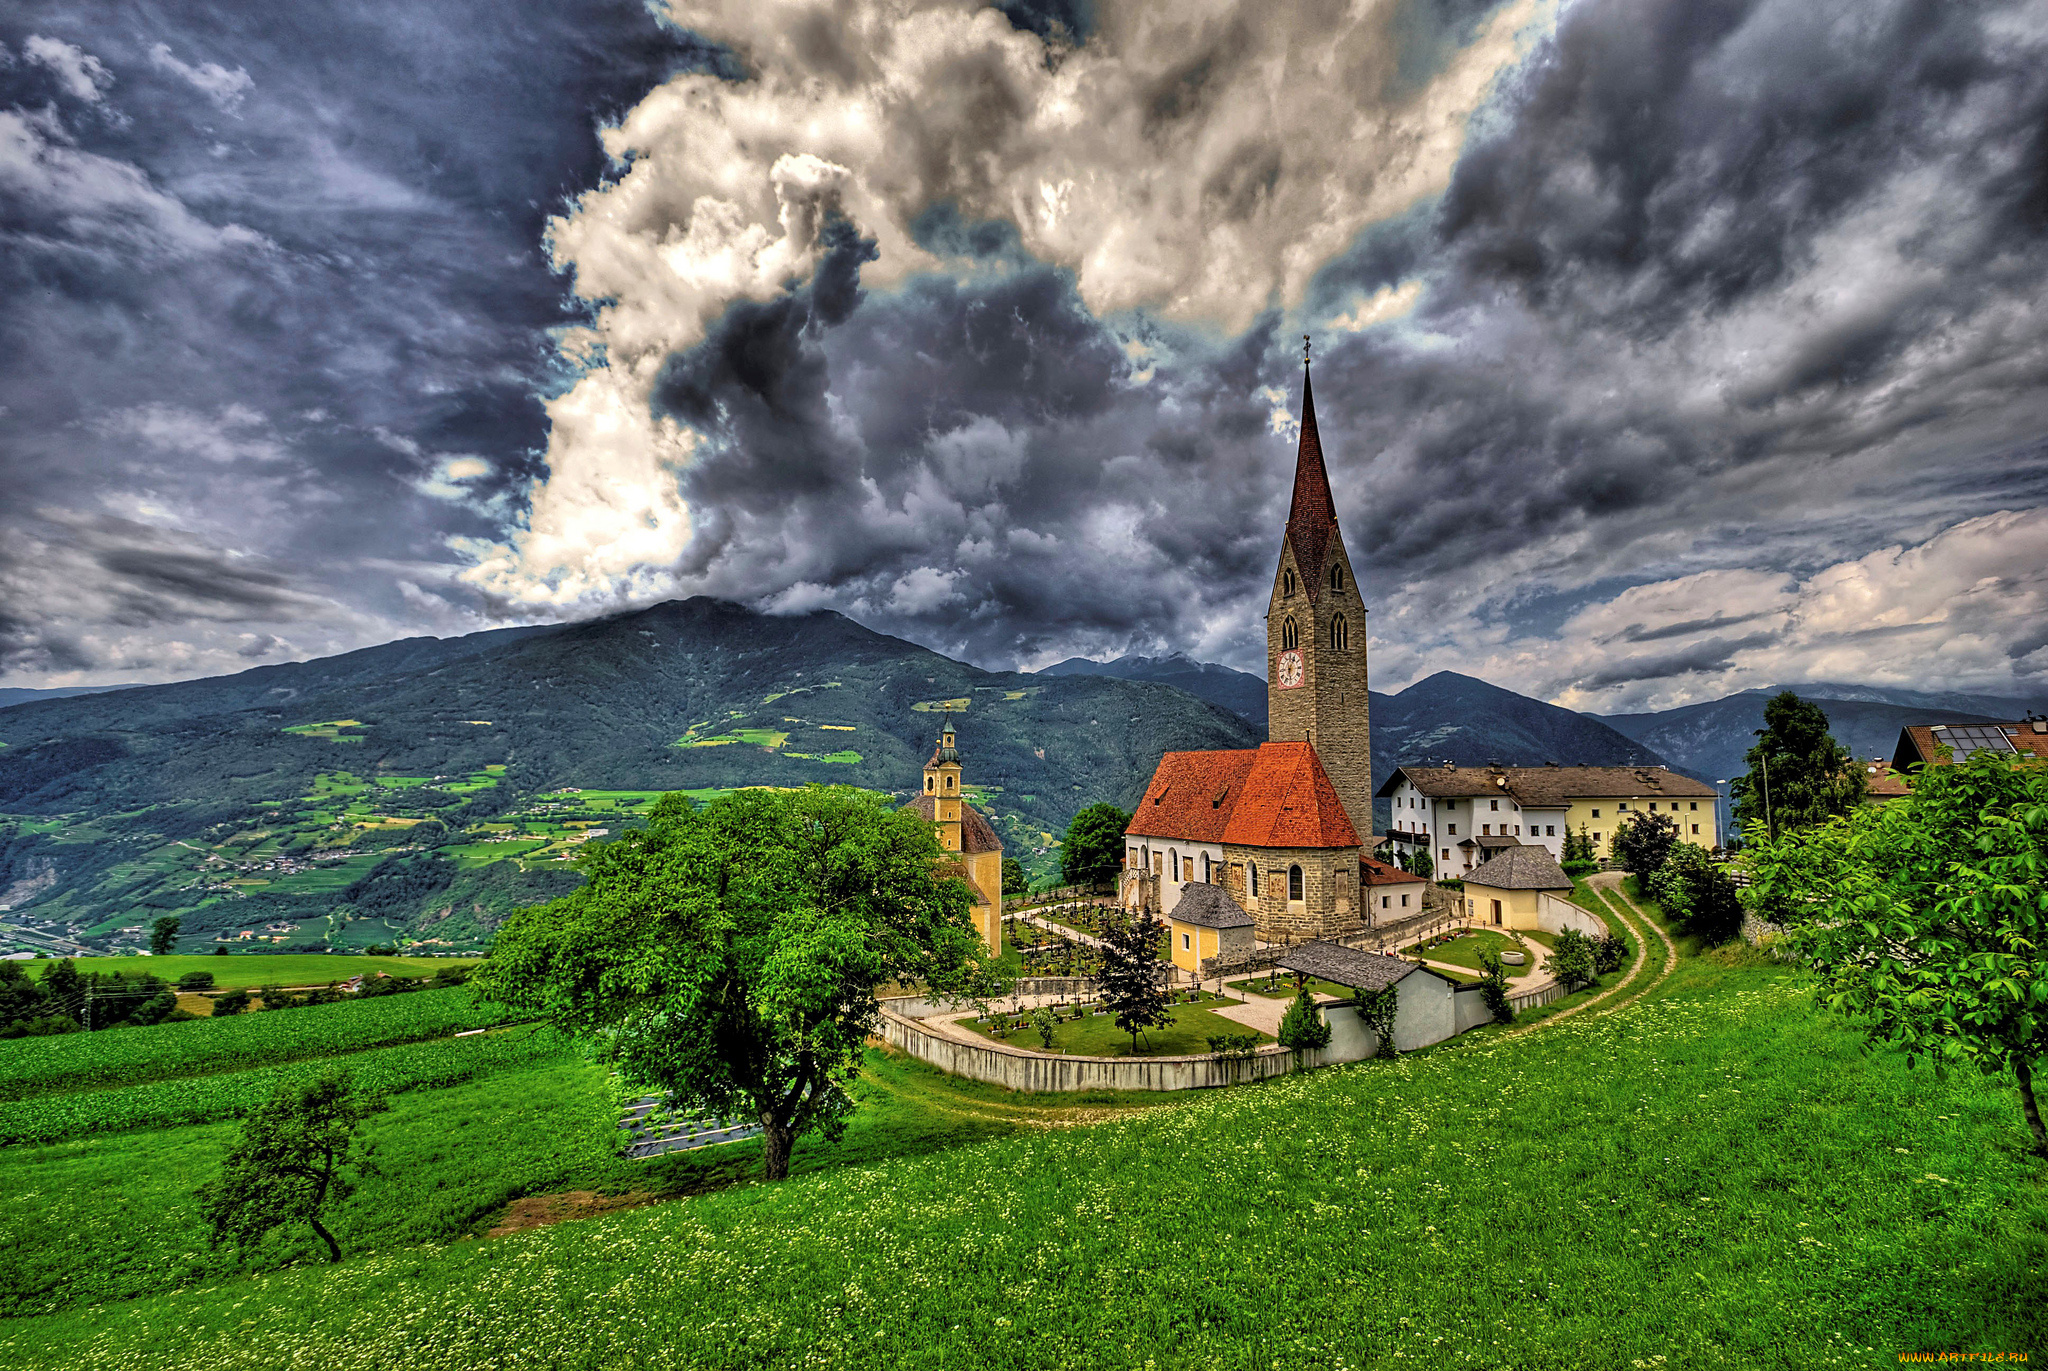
{"x": 333, "y": 1247}
{"x": 776, "y": 1140}
{"x": 2033, "y": 1110}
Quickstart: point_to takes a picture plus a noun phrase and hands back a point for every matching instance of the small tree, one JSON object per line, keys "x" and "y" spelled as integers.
{"x": 1571, "y": 961}
{"x": 1924, "y": 918}
{"x": 1302, "y": 1029}
{"x": 1493, "y": 988}
{"x": 1422, "y": 865}
{"x": 291, "y": 1160}
{"x": 1014, "y": 880}
{"x": 234, "y": 1002}
{"x": 1130, "y": 984}
{"x": 1094, "y": 847}
{"x": 163, "y": 934}
{"x": 1642, "y": 842}
{"x": 1046, "y": 1022}
{"x": 1376, "y": 1009}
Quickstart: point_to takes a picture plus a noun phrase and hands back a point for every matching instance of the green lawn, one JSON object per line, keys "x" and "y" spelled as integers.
{"x": 1715, "y": 1177}
{"x": 1464, "y": 950}
{"x": 1098, "y": 1036}
{"x": 112, "y": 1216}
{"x": 248, "y": 970}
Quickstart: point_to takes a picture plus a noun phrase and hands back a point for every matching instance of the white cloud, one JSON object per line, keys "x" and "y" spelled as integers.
{"x": 225, "y": 88}
{"x": 233, "y": 434}
{"x": 82, "y": 75}
{"x": 1388, "y": 302}
{"x": 89, "y": 200}
{"x": 1199, "y": 161}
{"x": 1963, "y": 609}
{"x": 924, "y": 589}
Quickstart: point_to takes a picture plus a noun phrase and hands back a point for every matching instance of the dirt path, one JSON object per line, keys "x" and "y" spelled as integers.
{"x": 1636, "y": 984}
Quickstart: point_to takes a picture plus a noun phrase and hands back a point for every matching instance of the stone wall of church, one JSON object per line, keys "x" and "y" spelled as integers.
{"x": 1329, "y": 906}
{"x": 1330, "y": 707}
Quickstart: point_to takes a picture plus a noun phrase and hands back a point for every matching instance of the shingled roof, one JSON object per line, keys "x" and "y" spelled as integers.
{"x": 1373, "y": 871}
{"x": 1548, "y": 786}
{"x": 1520, "y": 868}
{"x": 1341, "y": 965}
{"x": 1312, "y": 516}
{"x": 1207, "y": 906}
{"x": 976, "y": 833}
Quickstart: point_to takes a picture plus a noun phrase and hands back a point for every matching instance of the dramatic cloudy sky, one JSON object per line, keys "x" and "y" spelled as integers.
{"x": 1664, "y": 347}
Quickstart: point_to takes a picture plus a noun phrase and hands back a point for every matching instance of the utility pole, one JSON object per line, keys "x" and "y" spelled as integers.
{"x": 1763, "y": 761}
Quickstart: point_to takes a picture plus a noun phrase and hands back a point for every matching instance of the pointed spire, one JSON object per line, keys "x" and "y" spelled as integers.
{"x": 1312, "y": 517}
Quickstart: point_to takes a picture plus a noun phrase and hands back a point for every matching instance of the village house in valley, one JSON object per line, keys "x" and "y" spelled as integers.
{"x": 1466, "y": 816}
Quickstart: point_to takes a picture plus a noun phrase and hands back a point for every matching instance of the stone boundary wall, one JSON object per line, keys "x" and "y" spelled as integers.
{"x": 1554, "y": 915}
{"x": 1022, "y": 1069}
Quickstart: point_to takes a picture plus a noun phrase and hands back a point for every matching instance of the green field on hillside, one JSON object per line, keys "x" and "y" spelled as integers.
{"x": 1712, "y": 1176}
{"x": 247, "y": 970}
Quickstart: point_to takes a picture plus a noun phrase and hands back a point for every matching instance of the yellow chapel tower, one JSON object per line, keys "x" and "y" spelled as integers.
{"x": 963, "y": 831}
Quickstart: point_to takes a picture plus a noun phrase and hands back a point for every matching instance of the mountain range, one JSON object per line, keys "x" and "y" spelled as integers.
{"x": 1711, "y": 739}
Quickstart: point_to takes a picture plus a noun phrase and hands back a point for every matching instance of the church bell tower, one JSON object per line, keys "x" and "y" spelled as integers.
{"x": 1315, "y": 633}
{"x": 942, "y": 783}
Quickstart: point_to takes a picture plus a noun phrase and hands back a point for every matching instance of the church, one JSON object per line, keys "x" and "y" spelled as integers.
{"x": 964, "y": 832}
{"x": 1283, "y": 829}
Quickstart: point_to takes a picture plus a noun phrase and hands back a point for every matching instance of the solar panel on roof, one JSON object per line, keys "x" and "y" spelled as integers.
{"x": 1965, "y": 740}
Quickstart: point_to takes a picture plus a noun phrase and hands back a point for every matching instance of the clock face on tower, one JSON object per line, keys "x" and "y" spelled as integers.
{"x": 1290, "y": 669}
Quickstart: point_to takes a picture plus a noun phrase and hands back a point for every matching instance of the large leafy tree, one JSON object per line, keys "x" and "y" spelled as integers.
{"x": 1798, "y": 774}
{"x": 293, "y": 1158}
{"x": 1927, "y": 920}
{"x": 1642, "y": 842}
{"x": 731, "y": 957}
{"x": 1131, "y": 983}
{"x": 1094, "y": 847}
{"x": 163, "y": 934}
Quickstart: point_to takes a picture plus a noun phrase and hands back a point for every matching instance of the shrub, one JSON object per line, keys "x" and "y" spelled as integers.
{"x": 1302, "y": 1029}
{"x": 196, "y": 980}
{"x": 1609, "y": 953}
{"x": 1571, "y": 961}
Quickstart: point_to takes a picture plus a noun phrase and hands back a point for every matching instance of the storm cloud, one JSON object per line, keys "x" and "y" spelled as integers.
{"x": 1663, "y": 348}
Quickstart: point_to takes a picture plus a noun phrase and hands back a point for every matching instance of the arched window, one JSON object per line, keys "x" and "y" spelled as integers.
{"x": 1336, "y": 578}
{"x": 1293, "y": 882}
{"x": 1340, "y": 635}
{"x": 1287, "y": 583}
{"x": 1173, "y": 865}
{"x": 1289, "y": 638}
{"x": 927, "y": 785}
{"x": 1205, "y": 868}
{"x": 949, "y": 783}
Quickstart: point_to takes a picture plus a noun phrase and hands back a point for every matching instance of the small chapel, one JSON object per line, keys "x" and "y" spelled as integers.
{"x": 962, "y": 830}
{"x": 1281, "y": 829}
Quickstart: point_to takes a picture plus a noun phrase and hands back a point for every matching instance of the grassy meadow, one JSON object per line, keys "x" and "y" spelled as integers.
{"x": 1713, "y": 1175}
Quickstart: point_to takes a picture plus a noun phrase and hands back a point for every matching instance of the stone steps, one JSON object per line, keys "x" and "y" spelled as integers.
{"x": 684, "y": 1134}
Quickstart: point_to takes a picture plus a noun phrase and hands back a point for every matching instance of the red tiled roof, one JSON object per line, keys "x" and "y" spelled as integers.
{"x": 1289, "y": 802}
{"x": 976, "y": 833}
{"x": 1372, "y": 871}
{"x": 1276, "y": 796}
{"x": 1191, "y": 795}
{"x": 1312, "y": 517}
